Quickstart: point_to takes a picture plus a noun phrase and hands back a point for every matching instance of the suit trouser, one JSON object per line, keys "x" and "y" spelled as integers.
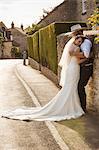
{"x": 85, "y": 74}
{"x": 24, "y": 61}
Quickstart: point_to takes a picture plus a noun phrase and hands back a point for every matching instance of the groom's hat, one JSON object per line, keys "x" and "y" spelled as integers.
{"x": 74, "y": 29}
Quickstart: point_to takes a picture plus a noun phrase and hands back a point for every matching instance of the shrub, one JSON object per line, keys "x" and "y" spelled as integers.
{"x": 15, "y": 52}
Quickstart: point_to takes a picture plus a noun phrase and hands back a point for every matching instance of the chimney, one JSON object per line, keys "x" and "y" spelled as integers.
{"x": 22, "y": 26}
{"x": 12, "y": 25}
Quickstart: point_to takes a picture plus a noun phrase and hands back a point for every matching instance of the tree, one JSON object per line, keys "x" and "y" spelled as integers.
{"x": 15, "y": 52}
{"x": 33, "y": 29}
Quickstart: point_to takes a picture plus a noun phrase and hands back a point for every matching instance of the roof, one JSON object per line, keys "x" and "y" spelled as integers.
{"x": 18, "y": 29}
{"x": 2, "y": 25}
{"x": 51, "y": 11}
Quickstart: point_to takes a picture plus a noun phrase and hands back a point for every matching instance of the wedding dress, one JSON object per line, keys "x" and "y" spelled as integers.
{"x": 66, "y": 104}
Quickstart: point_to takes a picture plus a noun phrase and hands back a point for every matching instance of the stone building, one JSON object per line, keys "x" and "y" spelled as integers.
{"x": 12, "y": 37}
{"x": 5, "y": 47}
{"x": 19, "y": 37}
{"x": 70, "y": 10}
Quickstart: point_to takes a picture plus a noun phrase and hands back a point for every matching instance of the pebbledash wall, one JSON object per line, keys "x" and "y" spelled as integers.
{"x": 92, "y": 88}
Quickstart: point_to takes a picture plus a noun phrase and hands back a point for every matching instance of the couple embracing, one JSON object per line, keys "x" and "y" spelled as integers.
{"x": 70, "y": 101}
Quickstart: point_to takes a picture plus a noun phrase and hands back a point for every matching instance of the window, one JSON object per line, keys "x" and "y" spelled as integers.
{"x": 97, "y": 1}
{"x": 84, "y": 11}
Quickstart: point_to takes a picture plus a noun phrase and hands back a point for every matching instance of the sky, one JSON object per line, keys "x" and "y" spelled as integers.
{"x": 24, "y": 12}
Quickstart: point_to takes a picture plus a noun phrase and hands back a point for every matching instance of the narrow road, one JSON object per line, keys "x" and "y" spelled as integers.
{"x": 20, "y": 135}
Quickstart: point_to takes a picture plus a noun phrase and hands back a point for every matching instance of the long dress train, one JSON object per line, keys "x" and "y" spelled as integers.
{"x": 65, "y": 105}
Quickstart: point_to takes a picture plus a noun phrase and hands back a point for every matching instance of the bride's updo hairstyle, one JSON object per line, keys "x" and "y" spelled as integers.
{"x": 79, "y": 36}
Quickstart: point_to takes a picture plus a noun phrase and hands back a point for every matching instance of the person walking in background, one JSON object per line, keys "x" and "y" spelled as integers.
{"x": 24, "y": 57}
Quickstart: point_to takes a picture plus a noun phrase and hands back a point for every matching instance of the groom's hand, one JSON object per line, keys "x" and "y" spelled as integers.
{"x": 77, "y": 54}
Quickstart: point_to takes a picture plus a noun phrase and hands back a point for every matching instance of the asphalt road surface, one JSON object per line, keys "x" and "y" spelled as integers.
{"x": 20, "y": 135}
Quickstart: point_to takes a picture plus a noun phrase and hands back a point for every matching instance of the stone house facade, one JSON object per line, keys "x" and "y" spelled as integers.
{"x": 75, "y": 10}
{"x": 5, "y": 47}
{"x": 19, "y": 38}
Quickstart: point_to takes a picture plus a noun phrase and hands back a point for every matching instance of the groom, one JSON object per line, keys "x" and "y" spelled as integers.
{"x": 86, "y": 68}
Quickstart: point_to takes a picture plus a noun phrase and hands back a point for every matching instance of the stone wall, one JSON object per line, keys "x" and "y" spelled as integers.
{"x": 96, "y": 78}
{"x": 92, "y": 87}
{"x": 34, "y": 64}
{"x": 44, "y": 70}
{"x": 7, "y": 49}
{"x": 69, "y": 11}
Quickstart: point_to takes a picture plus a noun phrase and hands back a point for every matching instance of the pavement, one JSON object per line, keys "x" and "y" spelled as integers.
{"x": 77, "y": 134}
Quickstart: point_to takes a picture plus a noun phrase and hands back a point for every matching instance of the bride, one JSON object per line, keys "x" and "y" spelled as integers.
{"x": 66, "y": 104}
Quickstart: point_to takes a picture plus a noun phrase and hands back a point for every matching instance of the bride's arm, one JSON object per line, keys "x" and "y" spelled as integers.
{"x": 79, "y": 55}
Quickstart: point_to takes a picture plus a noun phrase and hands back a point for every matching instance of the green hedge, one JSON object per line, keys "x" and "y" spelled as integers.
{"x": 36, "y": 46}
{"x": 47, "y": 47}
{"x": 33, "y": 46}
{"x": 43, "y": 44}
{"x": 30, "y": 46}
